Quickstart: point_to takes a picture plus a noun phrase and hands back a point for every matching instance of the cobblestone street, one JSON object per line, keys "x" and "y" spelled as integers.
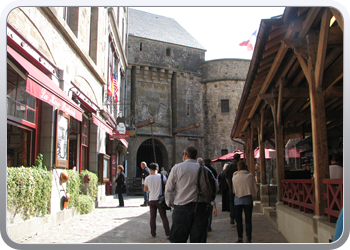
{"x": 109, "y": 224}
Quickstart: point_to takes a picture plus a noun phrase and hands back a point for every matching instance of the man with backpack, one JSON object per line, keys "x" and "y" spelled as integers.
{"x": 191, "y": 212}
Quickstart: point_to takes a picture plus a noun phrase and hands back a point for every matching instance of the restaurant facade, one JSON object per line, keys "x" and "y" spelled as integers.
{"x": 61, "y": 62}
{"x": 294, "y": 91}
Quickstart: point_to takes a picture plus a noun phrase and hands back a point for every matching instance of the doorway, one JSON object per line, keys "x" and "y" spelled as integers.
{"x": 145, "y": 153}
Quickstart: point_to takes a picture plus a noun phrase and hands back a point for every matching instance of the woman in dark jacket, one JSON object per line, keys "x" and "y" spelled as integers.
{"x": 224, "y": 189}
{"x": 120, "y": 180}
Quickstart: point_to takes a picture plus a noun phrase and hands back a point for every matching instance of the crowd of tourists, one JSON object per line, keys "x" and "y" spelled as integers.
{"x": 191, "y": 218}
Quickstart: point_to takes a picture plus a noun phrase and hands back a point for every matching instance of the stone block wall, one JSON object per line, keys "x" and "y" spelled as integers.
{"x": 154, "y": 53}
{"x": 222, "y": 80}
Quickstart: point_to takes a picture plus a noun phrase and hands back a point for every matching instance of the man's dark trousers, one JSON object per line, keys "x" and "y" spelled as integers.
{"x": 188, "y": 222}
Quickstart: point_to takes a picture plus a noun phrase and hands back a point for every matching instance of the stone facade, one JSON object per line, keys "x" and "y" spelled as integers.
{"x": 167, "y": 88}
{"x": 175, "y": 85}
{"x": 222, "y": 80}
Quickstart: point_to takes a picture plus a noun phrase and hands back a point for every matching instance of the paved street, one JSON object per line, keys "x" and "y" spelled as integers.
{"x": 109, "y": 224}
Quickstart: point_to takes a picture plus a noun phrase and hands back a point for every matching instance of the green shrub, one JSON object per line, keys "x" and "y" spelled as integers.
{"x": 28, "y": 191}
{"x": 75, "y": 184}
{"x": 93, "y": 182}
{"x": 85, "y": 204}
{"x": 73, "y": 187}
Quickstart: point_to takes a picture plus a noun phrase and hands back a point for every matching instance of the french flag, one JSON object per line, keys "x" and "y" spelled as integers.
{"x": 249, "y": 42}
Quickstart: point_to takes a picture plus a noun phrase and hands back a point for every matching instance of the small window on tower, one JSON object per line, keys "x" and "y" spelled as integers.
{"x": 225, "y": 106}
{"x": 140, "y": 46}
{"x": 168, "y": 52}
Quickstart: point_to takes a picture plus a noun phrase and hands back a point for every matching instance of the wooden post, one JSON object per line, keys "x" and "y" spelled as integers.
{"x": 251, "y": 155}
{"x": 313, "y": 69}
{"x": 318, "y": 119}
{"x": 262, "y": 149}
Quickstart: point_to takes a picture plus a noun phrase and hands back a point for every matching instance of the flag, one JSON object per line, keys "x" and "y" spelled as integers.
{"x": 249, "y": 42}
{"x": 115, "y": 87}
{"x": 110, "y": 87}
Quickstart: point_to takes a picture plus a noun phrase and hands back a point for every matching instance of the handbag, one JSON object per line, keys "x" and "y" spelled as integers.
{"x": 161, "y": 197}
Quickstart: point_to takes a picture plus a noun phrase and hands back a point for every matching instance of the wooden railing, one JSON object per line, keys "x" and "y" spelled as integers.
{"x": 334, "y": 198}
{"x": 299, "y": 194}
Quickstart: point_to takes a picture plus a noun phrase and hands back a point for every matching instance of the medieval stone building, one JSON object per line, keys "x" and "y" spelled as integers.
{"x": 192, "y": 101}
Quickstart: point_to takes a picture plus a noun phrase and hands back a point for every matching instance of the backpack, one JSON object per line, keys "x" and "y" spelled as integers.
{"x": 206, "y": 184}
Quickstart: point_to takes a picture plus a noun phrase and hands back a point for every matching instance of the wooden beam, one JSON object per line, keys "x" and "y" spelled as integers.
{"x": 191, "y": 126}
{"x": 299, "y": 92}
{"x": 338, "y": 17}
{"x": 145, "y": 123}
{"x": 274, "y": 68}
{"x": 322, "y": 48}
{"x": 308, "y": 21}
{"x": 262, "y": 148}
{"x": 334, "y": 92}
{"x": 279, "y": 102}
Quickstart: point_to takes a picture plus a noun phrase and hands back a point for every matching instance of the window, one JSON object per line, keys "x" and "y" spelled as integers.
{"x": 85, "y": 143}
{"x": 224, "y": 152}
{"x": 168, "y": 52}
{"x": 19, "y": 103}
{"x": 225, "y": 106}
{"x": 93, "y": 34}
{"x": 140, "y": 46}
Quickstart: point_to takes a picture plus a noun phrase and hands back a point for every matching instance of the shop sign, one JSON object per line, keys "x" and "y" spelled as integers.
{"x": 117, "y": 135}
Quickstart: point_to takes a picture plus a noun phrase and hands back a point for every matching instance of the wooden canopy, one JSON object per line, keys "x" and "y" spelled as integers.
{"x": 294, "y": 85}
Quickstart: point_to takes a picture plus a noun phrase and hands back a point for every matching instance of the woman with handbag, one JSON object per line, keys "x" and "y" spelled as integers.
{"x": 153, "y": 184}
{"x": 120, "y": 180}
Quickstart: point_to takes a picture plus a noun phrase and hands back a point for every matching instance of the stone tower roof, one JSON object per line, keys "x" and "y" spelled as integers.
{"x": 160, "y": 28}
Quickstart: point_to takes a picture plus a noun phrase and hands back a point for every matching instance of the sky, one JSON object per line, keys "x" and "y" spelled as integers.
{"x": 219, "y": 29}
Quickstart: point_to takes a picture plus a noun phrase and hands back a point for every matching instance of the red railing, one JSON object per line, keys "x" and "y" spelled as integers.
{"x": 299, "y": 194}
{"x": 334, "y": 198}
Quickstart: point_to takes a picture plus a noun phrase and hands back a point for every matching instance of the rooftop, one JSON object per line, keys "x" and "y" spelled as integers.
{"x": 160, "y": 28}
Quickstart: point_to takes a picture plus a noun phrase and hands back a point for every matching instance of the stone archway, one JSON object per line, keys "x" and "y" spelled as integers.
{"x": 145, "y": 153}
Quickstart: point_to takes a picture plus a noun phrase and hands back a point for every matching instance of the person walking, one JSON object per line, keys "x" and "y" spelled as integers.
{"x": 181, "y": 193}
{"x": 207, "y": 163}
{"x": 153, "y": 184}
{"x": 145, "y": 172}
{"x": 245, "y": 189}
{"x": 224, "y": 190}
{"x": 228, "y": 175}
{"x": 164, "y": 172}
{"x": 120, "y": 180}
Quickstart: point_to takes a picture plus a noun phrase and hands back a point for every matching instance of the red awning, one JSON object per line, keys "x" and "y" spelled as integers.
{"x": 102, "y": 124}
{"x": 126, "y": 144}
{"x": 42, "y": 87}
{"x": 229, "y": 156}
{"x": 268, "y": 153}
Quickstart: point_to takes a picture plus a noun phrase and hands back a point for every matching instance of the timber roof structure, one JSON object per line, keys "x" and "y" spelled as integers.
{"x": 304, "y": 45}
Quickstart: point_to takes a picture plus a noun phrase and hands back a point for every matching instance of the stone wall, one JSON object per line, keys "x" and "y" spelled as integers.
{"x": 222, "y": 80}
{"x": 154, "y": 53}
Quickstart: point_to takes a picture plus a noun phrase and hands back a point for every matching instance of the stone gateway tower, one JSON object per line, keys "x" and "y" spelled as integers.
{"x": 165, "y": 85}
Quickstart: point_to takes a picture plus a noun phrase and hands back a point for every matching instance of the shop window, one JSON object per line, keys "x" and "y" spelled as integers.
{"x": 74, "y": 135}
{"x": 19, "y": 146}
{"x": 19, "y": 103}
{"x": 85, "y": 143}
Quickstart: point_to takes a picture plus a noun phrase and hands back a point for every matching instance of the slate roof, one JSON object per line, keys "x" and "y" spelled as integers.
{"x": 160, "y": 28}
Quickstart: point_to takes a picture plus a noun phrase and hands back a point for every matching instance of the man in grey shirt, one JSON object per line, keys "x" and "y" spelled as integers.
{"x": 181, "y": 193}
